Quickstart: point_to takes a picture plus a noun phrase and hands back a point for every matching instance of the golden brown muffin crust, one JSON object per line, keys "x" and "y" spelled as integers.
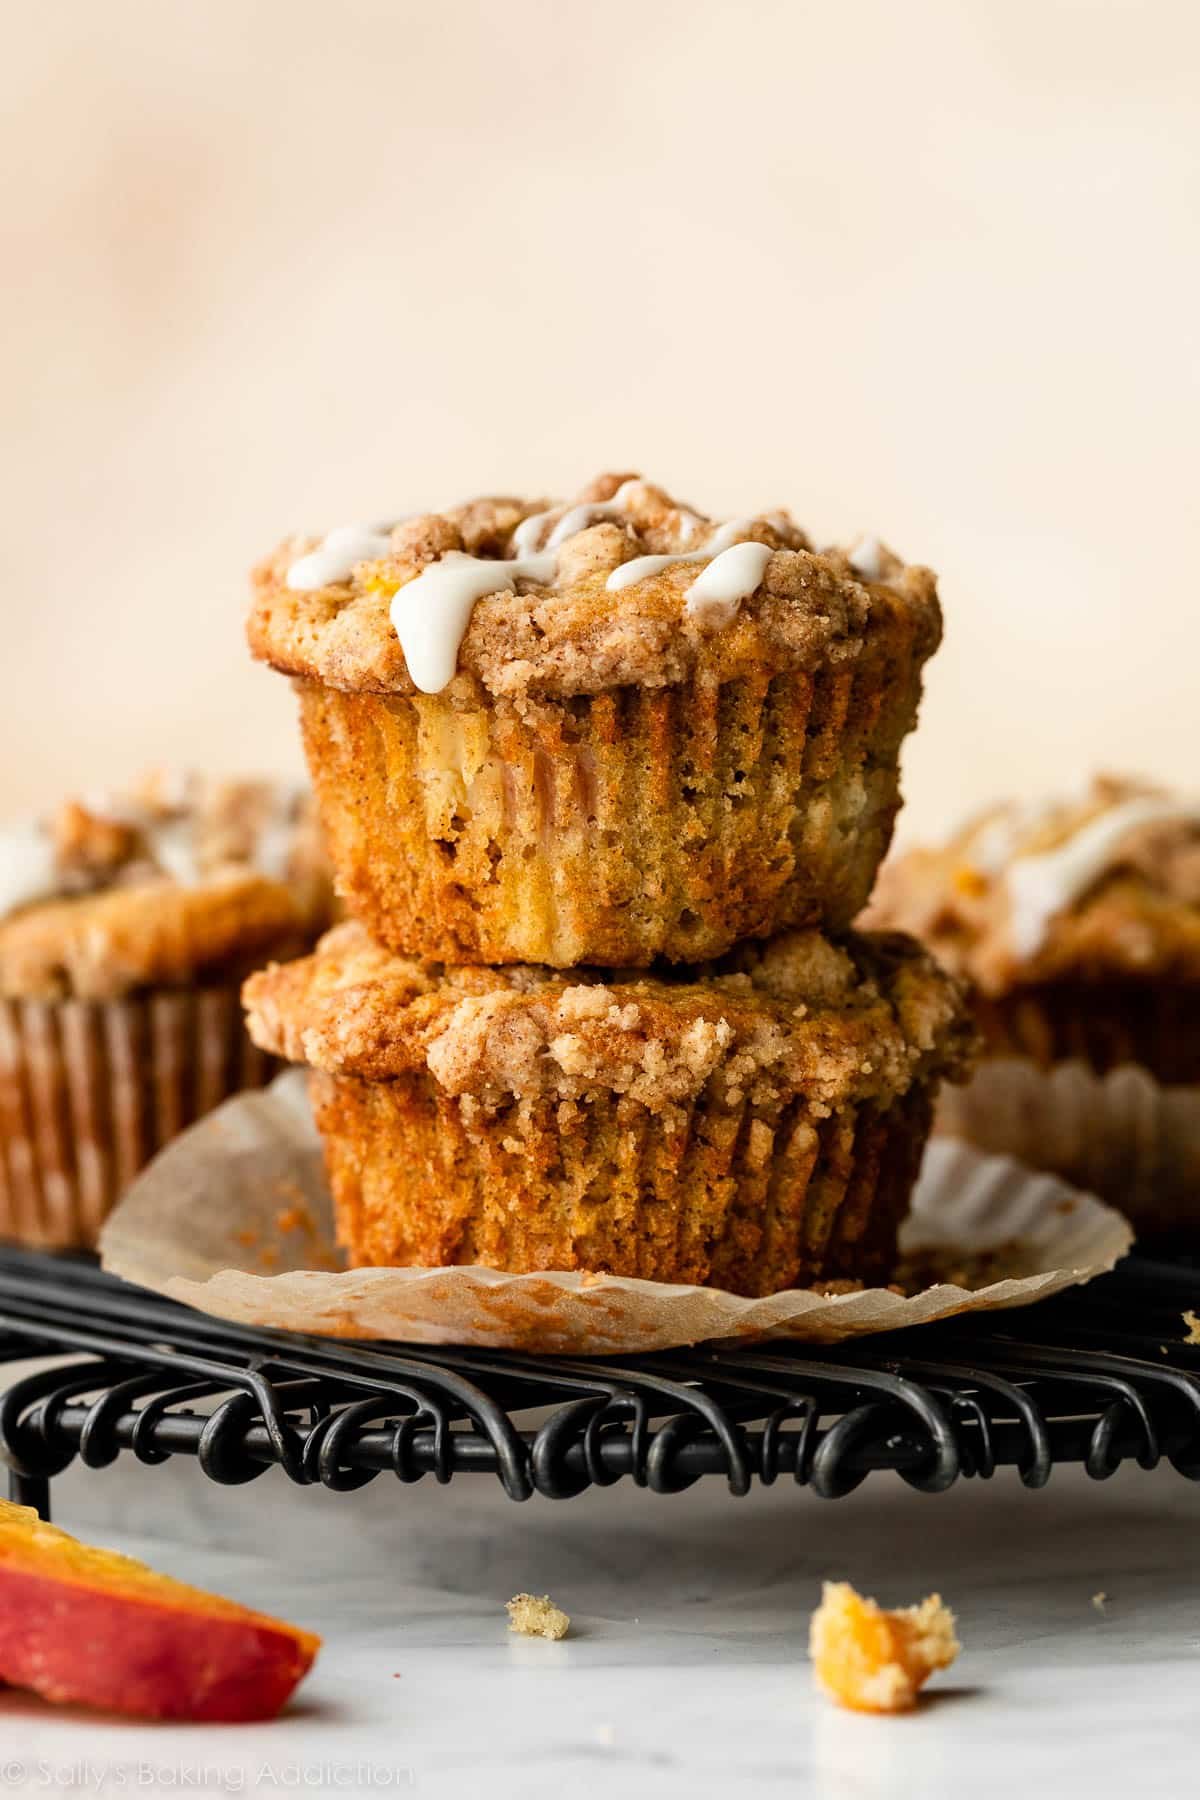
{"x": 1139, "y": 919}
{"x": 179, "y": 879}
{"x": 572, "y": 635}
{"x": 858, "y": 1020}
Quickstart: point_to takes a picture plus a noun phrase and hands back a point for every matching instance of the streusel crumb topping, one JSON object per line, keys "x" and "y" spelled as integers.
{"x": 860, "y": 1019}
{"x": 112, "y": 891}
{"x": 556, "y": 598}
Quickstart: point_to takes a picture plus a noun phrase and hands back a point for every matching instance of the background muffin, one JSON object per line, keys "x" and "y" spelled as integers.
{"x": 1076, "y": 921}
{"x": 1077, "y": 924}
{"x": 126, "y": 927}
{"x": 755, "y": 1126}
{"x": 601, "y": 733}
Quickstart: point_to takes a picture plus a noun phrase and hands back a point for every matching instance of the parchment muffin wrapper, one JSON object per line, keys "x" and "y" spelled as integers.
{"x": 91, "y": 1090}
{"x": 1123, "y": 1135}
{"x": 236, "y": 1217}
{"x": 1104, "y": 1025}
{"x": 751, "y": 1197}
{"x": 613, "y": 828}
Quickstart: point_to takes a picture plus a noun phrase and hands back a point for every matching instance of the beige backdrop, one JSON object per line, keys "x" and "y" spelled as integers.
{"x": 927, "y": 267}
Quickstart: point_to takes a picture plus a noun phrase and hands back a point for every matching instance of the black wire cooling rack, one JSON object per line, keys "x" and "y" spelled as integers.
{"x": 1098, "y": 1376}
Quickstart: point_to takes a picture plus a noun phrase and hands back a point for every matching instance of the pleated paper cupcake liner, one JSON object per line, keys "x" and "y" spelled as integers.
{"x": 616, "y": 828}
{"x": 236, "y": 1218}
{"x": 748, "y": 1198}
{"x": 1123, "y": 1135}
{"x": 90, "y": 1090}
{"x": 1104, "y": 1025}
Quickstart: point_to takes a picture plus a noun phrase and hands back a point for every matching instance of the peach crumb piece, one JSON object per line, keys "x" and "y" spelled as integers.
{"x": 534, "y": 1617}
{"x": 1193, "y": 1328}
{"x": 873, "y": 1660}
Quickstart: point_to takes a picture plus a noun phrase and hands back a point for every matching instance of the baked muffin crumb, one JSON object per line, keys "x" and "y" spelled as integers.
{"x": 533, "y": 1615}
{"x": 872, "y": 1660}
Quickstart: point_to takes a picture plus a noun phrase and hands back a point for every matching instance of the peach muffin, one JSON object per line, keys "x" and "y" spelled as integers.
{"x": 127, "y": 925}
{"x": 601, "y": 732}
{"x": 755, "y": 1125}
{"x": 1076, "y": 923}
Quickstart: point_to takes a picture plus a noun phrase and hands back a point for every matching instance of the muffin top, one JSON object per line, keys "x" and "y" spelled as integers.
{"x": 856, "y": 1019}
{"x": 168, "y": 882}
{"x": 621, "y": 586}
{"x": 1103, "y": 883}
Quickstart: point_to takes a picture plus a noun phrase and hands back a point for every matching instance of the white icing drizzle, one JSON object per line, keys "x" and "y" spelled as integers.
{"x": 272, "y": 853}
{"x": 993, "y": 844}
{"x": 643, "y": 567}
{"x": 430, "y": 614}
{"x": 866, "y": 558}
{"x": 335, "y": 558}
{"x": 1044, "y": 884}
{"x": 171, "y": 844}
{"x": 527, "y": 538}
{"x": 169, "y": 836}
{"x": 29, "y": 863}
{"x": 28, "y": 866}
{"x": 716, "y": 594}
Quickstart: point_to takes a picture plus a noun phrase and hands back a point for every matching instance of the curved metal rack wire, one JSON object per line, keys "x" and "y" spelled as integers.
{"x": 1099, "y": 1376}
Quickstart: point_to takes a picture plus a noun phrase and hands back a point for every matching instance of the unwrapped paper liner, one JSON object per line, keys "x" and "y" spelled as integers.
{"x": 1122, "y": 1136}
{"x": 235, "y": 1218}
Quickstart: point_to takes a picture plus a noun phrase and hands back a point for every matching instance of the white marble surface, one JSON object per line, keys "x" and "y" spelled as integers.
{"x": 686, "y": 1672}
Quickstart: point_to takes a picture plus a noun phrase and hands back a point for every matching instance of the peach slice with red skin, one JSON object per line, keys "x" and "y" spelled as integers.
{"x": 93, "y": 1628}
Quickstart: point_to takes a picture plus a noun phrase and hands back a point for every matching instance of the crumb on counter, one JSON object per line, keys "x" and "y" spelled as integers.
{"x": 872, "y": 1660}
{"x": 535, "y": 1616}
{"x": 1192, "y": 1322}
{"x": 1100, "y": 1601}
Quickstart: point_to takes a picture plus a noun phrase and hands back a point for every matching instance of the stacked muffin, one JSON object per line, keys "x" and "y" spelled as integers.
{"x": 604, "y": 785}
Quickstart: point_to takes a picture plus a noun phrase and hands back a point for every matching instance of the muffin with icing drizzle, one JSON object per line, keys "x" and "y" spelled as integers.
{"x": 753, "y": 1125}
{"x": 603, "y": 732}
{"x": 1076, "y": 922}
{"x": 127, "y": 924}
